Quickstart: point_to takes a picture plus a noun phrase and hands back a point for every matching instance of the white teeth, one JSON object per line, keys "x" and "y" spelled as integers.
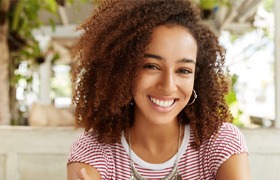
{"x": 162, "y": 103}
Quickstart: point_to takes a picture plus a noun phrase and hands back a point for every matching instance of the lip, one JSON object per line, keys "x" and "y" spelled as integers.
{"x": 160, "y": 108}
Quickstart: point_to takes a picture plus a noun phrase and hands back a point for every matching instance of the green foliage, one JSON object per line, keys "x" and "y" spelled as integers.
{"x": 23, "y": 18}
{"x": 268, "y": 5}
{"x": 232, "y": 102}
{"x": 210, "y": 4}
{"x": 24, "y": 15}
{"x": 32, "y": 50}
{"x": 55, "y": 57}
{"x": 231, "y": 96}
{"x": 52, "y": 24}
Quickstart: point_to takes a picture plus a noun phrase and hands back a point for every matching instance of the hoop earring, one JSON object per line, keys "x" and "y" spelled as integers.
{"x": 194, "y": 97}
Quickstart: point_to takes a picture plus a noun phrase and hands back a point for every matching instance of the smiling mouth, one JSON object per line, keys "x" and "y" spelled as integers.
{"x": 162, "y": 103}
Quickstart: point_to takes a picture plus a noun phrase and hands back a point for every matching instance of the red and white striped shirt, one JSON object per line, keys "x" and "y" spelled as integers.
{"x": 113, "y": 162}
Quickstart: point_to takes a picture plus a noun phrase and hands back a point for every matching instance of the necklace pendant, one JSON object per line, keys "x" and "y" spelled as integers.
{"x": 179, "y": 177}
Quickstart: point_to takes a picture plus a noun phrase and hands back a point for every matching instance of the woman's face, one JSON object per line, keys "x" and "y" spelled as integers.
{"x": 164, "y": 84}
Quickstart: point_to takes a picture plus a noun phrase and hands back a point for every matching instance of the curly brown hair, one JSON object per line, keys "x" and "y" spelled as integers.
{"x": 109, "y": 54}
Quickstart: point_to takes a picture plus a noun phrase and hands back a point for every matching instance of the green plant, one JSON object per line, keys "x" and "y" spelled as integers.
{"x": 210, "y": 4}
{"x": 23, "y": 17}
{"x": 232, "y": 102}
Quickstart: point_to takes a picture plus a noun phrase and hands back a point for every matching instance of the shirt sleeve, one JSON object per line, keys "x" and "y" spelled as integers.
{"x": 228, "y": 141}
{"x": 86, "y": 149}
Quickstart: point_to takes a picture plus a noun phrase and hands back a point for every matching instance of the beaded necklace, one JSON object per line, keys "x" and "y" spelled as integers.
{"x": 173, "y": 175}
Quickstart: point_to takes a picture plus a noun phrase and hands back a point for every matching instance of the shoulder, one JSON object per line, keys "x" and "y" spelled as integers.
{"x": 232, "y": 155}
{"x": 87, "y": 149}
{"x": 86, "y": 141}
{"x": 229, "y": 128}
{"x": 231, "y": 137}
{"x": 228, "y": 141}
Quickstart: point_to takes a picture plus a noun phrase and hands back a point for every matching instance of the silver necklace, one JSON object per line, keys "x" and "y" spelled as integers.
{"x": 173, "y": 175}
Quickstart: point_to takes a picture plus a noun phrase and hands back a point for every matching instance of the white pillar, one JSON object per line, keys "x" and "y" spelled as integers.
{"x": 277, "y": 62}
{"x": 45, "y": 81}
{"x": 12, "y": 166}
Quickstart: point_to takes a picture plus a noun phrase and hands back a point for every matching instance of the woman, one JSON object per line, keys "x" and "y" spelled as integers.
{"x": 150, "y": 93}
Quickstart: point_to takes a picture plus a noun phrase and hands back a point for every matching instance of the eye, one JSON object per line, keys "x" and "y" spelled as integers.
{"x": 184, "y": 71}
{"x": 151, "y": 66}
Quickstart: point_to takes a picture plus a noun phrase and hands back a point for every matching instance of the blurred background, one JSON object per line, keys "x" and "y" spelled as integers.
{"x": 36, "y": 120}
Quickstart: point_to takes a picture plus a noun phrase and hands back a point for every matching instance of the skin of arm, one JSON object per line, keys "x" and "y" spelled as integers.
{"x": 235, "y": 168}
{"x": 82, "y": 171}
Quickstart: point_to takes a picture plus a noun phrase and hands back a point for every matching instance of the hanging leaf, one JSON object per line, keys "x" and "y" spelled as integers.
{"x": 51, "y": 5}
{"x": 52, "y": 24}
{"x": 55, "y": 57}
{"x": 16, "y": 15}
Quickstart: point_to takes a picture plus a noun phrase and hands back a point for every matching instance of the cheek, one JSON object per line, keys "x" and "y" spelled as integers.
{"x": 139, "y": 85}
{"x": 187, "y": 88}
{"x": 188, "y": 95}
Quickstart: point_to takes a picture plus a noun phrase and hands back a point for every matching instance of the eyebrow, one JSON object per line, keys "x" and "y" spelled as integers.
{"x": 184, "y": 60}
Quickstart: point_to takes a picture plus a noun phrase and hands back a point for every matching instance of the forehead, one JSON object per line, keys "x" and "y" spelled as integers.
{"x": 173, "y": 32}
{"x": 172, "y": 41}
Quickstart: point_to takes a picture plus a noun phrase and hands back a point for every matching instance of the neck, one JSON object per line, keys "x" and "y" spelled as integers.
{"x": 152, "y": 134}
{"x": 155, "y": 143}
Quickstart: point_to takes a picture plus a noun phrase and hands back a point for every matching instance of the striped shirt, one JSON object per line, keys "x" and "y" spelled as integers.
{"x": 113, "y": 162}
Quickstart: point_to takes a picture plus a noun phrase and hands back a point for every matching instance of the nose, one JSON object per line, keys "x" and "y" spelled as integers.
{"x": 167, "y": 82}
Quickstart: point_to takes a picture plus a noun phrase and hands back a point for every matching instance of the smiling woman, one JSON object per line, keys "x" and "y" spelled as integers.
{"x": 150, "y": 94}
{"x": 165, "y": 83}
